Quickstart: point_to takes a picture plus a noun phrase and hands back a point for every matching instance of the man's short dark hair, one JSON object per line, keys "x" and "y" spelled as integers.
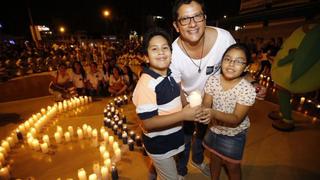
{"x": 178, "y": 3}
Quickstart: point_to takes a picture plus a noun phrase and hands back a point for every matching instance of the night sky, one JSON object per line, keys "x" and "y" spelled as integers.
{"x": 86, "y": 15}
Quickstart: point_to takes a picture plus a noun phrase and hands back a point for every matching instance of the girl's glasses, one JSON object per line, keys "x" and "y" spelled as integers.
{"x": 234, "y": 61}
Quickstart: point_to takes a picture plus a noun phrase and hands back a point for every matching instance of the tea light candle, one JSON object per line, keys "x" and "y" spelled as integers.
{"x": 104, "y": 172}
{"x": 35, "y": 144}
{"x": 102, "y": 130}
{"x": 132, "y": 135}
{"x": 67, "y": 136}
{"x": 95, "y": 133}
{"x": 92, "y": 177}
{"x": 89, "y": 131}
{"x": 80, "y": 133}
{"x": 57, "y": 137}
{"x": 117, "y": 153}
{"x": 195, "y": 99}
{"x": 102, "y": 149}
{"x": 82, "y": 174}
{"x": 111, "y": 139}
{"x": 4, "y": 173}
{"x": 33, "y": 131}
{"x": 43, "y": 111}
{"x": 70, "y": 129}
{"x": 131, "y": 145}
{"x": 115, "y": 145}
{"x": 107, "y": 163}
{"x": 114, "y": 172}
{"x": 59, "y": 129}
{"x": 22, "y": 128}
{"x": 124, "y": 138}
{"x": 46, "y": 139}
{"x": 106, "y": 136}
{"x": 106, "y": 155}
{"x": 6, "y": 146}
{"x": 44, "y": 147}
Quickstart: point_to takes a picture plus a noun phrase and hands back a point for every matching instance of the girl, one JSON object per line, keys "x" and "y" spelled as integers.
{"x": 61, "y": 86}
{"x": 158, "y": 104}
{"x": 78, "y": 77}
{"x": 228, "y": 97}
{"x": 117, "y": 86}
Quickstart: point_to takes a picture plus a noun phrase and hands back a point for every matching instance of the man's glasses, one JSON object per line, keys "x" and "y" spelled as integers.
{"x": 197, "y": 18}
{"x": 235, "y": 61}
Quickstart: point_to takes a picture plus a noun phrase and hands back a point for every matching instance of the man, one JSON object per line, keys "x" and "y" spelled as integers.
{"x": 197, "y": 54}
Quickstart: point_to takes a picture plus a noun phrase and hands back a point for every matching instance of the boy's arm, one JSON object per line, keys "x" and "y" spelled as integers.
{"x": 162, "y": 121}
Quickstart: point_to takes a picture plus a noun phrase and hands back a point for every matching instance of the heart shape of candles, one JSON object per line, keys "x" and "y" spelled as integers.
{"x": 33, "y": 127}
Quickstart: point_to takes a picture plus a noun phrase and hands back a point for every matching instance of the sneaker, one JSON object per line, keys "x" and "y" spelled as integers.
{"x": 180, "y": 177}
{"x": 203, "y": 167}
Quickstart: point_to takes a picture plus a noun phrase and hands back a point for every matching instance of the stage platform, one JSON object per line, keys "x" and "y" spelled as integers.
{"x": 269, "y": 154}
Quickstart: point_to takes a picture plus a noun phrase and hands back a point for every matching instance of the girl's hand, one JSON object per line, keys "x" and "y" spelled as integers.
{"x": 204, "y": 116}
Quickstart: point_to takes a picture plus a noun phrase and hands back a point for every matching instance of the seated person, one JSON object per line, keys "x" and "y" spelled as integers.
{"x": 117, "y": 85}
{"x": 94, "y": 80}
{"x": 61, "y": 85}
{"x": 78, "y": 77}
{"x": 129, "y": 78}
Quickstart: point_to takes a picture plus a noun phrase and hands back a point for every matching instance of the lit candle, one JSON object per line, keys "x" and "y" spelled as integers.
{"x": 10, "y": 141}
{"x": 132, "y": 135}
{"x": 106, "y": 155}
{"x": 89, "y": 131}
{"x": 94, "y": 133}
{"x": 82, "y": 174}
{"x": 57, "y": 137}
{"x": 124, "y": 138}
{"x": 4, "y": 173}
{"x": 44, "y": 147}
{"x": 67, "y": 136}
{"x": 70, "y": 129}
{"x": 35, "y": 144}
{"x": 107, "y": 163}
{"x": 131, "y": 145}
{"x": 106, "y": 136}
{"x": 111, "y": 139}
{"x": 46, "y": 139}
{"x": 102, "y": 149}
{"x": 102, "y": 130}
{"x": 22, "y": 128}
{"x": 59, "y": 129}
{"x": 80, "y": 133}
{"x": 302, "y": 99}
{"x": 117, "y": 153}
{"x": 115, "y": 145}
{"x": 6, "y": 146}
{"x": 43, "y": 111}
{"x": 195, "y": 98}
{"x": 104, "y": 172}
{"x": 114, "y": 172}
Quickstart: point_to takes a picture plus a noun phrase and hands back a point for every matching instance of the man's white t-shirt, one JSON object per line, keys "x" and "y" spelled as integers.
{"x": 186, "y": 72}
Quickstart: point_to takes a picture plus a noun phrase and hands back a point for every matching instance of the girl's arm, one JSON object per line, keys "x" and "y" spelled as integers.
{"x": 230, "y": 119}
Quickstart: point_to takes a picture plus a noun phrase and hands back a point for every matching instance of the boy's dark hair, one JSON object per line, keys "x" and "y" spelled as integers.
{"x": 154, "y": 32}
{"x": 246, "y": 51}
{"x": 178, "y": 3}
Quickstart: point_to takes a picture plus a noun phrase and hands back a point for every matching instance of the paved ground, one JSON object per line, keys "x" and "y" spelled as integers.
{"x": 269, "y": 154}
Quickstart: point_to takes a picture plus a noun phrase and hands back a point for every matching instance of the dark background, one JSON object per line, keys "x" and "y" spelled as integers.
{"x": 86, "y": 15}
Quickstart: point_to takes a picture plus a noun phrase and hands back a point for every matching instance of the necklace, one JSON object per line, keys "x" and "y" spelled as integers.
{"x": 198, "y": 66}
